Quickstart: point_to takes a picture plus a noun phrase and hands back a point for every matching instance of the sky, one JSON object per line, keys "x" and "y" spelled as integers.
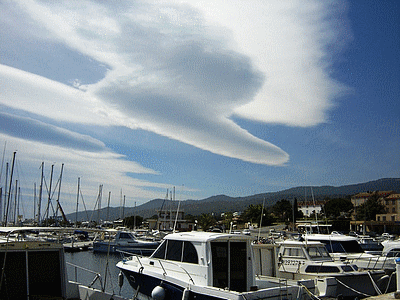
{"x": 201, "y": 97}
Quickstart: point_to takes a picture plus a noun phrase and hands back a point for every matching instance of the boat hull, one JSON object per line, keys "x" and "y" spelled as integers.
{"x": 140, "y": 249}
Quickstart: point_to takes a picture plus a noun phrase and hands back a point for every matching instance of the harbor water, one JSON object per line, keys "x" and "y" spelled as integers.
{"x": 99, "y": 263}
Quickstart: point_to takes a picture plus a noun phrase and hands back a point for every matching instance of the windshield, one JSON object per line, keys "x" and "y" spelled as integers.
{"x": 343, "y": 247}
{"x": 317, "y": 253}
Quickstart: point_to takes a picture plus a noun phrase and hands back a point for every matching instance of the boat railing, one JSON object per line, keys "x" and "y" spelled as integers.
{"x": 177, "y": 265}
{"x": 96, "y": 277}
{"x": 138, "y": 257}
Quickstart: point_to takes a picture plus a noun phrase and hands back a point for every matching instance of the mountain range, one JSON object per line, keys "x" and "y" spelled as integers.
{"x": 222, "y": 203}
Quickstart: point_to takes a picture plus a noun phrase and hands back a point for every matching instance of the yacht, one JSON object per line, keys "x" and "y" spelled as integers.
{"x": 346, "y": 248}
{"x": 311, "y": 260}
{"x": 127, "y": 242}
{"x": 206, "y": 265}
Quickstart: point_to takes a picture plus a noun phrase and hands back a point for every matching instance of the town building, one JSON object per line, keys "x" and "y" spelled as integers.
{"x": 310, "y": 207}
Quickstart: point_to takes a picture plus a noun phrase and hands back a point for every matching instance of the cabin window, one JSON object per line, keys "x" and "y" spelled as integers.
{"x": 177, "y": 251}
{"x": 322, "y": 269}
{"x": 317, "y": 252}
{"x": 174, "y": 250}
{"x": 160, "y": 252}
{"x": 125, "y": 235}
{"x": 347, "y": 268}
{"x": 343, "y": 247}
{"x": 394, "y": 253}
{"x": 189, "y": 253}
{"x": 293, "y": 252}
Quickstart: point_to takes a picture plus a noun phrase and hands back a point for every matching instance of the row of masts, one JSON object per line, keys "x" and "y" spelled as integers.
{"x": 9, "y": 208}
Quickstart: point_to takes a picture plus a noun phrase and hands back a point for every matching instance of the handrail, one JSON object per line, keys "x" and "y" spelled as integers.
{"x": 98, "y": 275}
{"x": 175, "y": 264}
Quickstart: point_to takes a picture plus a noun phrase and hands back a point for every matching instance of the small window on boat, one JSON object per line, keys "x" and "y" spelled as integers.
{"x": 394, "y": 253}
{"x": 189, "y": 253}
{"x": 160, "y": 252}
{"x": 317, "y": 252}
{"x": 174, "y": 250}
{"x": 293, "y": 252}
{"x": 124, "y": 235}
{"x": 322, "y": 269}
{"x": 347, "y": 268}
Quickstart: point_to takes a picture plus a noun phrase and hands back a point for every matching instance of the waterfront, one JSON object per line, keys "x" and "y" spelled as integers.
{"x": 97, "y": 262}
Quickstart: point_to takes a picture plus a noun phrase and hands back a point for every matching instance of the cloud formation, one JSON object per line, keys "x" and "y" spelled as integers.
{"x": 182, "y": 69}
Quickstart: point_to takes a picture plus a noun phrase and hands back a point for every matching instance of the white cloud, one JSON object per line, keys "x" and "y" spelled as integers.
{"x": 182, "y": 69}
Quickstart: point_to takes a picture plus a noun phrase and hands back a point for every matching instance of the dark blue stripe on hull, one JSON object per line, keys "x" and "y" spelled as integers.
{"x": 146, "y": 284}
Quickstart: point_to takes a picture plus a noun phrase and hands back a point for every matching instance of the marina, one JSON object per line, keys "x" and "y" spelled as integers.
{"x": 61, "y": 262}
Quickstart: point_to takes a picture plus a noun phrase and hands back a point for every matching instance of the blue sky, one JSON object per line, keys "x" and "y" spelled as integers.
{"x": 211, "y": 99}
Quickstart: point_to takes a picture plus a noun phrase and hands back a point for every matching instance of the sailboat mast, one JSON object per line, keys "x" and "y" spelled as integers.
{"x": 9, "y": 189}
{"x": 77, "y": 204}
{"x": 49, "y": 195}
{"x": 40, "y": 193}
{"x": 108, "y": 205}
{"x": 5, "y": 194}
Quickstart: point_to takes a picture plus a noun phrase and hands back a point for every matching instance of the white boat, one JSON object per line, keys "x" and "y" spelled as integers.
{"x": 391, "y": 248}
{"x": 347, "y": 248}
{"x": 205, "y": 265}
{"x": 36, "y": 269}
{"x": 127, "y": 242}
{"x": 310, "y": 260}
{"x": 370, "y": 245}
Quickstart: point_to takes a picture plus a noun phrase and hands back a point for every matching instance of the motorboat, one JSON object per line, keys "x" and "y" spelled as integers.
{"x": 391, "y": 248}
{"x": 206, "y": 265}
{"x": 370, "y": 245}
{"x": 125, "y": 241}
{"x": 346, "y": 248}
{"x": 35, "y": 269}
{"x": 310, "y": 260}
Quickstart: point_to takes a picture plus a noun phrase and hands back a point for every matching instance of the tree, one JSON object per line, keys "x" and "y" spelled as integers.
{"x": 205, "y": 221}
{"x": 253, "y": 215}
{"x": 283, "y": 210}
{"x": 298, "y": 214}
{"x": 368, "y": 210}
{"x": 130, "y": 221}
{"x": 335, "y": 207}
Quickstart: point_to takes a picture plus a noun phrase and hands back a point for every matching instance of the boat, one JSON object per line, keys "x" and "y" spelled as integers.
{"x": 35, "y": 269}
{"x": 391, "y": 248}
{"x": 206, "y": 265}
{"x": 297, "y": 259}
{"x": 125, "y": 241}
{"x": 346, "y": 248}
{"x": 370, "y": 245}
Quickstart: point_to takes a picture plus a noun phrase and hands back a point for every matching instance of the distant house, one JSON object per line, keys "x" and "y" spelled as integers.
{"x": 169, "y": 220}
{"x": 309, "y": 207}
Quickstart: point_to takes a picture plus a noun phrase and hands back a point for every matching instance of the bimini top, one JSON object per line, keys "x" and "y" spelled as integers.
{"x": 201, "y": 236}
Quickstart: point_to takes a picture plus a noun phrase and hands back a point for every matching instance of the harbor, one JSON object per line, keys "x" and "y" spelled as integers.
{"x": 188, "y": 265}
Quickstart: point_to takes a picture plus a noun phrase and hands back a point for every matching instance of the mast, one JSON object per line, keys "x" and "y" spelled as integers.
{"x": 108, "y": 205}
{"x": 123, "y": 209}
{"x": 99, "y": 203}
{"x": 49, "y": 195}
{"x": 40, "y": 192}
{"x": 9, "y": 190}
{"x": 58, "y": 197}
{"x": 5, "y": 194}
{"x": 15, "y": 202}
{"x": 34, "y": 201}
{"x": 77, "y": 203}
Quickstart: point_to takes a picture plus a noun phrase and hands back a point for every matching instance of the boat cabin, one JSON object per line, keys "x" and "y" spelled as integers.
{"x": 229, "y": 257}
{"x": 308, "y": 258}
